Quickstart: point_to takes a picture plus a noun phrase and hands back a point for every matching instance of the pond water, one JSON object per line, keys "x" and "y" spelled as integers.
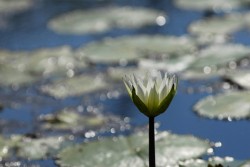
{"x": 28, "y": 30}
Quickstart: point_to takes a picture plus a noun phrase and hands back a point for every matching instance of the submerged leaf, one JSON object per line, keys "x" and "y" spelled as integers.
{"x": 133, "y": 151}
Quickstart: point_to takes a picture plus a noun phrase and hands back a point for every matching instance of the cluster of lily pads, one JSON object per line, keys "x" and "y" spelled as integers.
{"x": 64, "y": 72}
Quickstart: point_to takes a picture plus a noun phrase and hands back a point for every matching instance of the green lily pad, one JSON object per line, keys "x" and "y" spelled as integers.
{"x": 131, "y": 48}
{"x": 69, "y": 119}
{"x": 40, "y": 148}
{"x": 75, "y": 86}
{"x": 4, "y": 148}
{"x": 199, "y": 74}
{"x": 226, "y": 162}
{"x": 55, "y": 61}
{"x": 104, "y": 19}
{"x": 246, "y": 164}
{"x": 172, "y": 64}
{"x": 214, "y": 59}
{"x": 117, "y": 73}
{"x": 23, "y": 68}
{"x": 15, "y": 77}
{"x": 133, "y": 151}
{"x": 223, "y": 5}
{"x": 44, "y": 62}
{"x": 7, "y": 144}
{"x": 233, "y": 105}
{"x": 10, "y": 6}
{"x": 218, "y": 25}
{"x": 240, "y": 77}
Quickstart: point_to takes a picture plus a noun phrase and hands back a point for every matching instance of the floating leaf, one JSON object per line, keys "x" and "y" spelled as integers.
{"x": 214, "y": 26}
{"x": 7, "y": 145}
{"x": 10, "y": 6}
{"x": 213, "y": 61}
{"x": 104, "y": 19}
{"x": 233, "y": 105}
{"x": 246, "y": 164}
{"x": 116, "y": 73}
{"x": 41, "y": 147}
{"x": 55, "y": 61}
{"x": 226, "y": 162}
{"x": 131, "y": 48}
{"x": 133, "y": 151}
{"x": 240, "y": 77}
{"x": 224, "y": 5}
{"x": 15, "y": 77}
{"x": 24, "y": 68}
{"x": 69, "y": 119}
{"x": 172, "y": 64}
{"x": 75, "y": 86}
{"x": 199, "y": 74}
{"x": 4, "y": 148}
{"x": 52, "y": 61}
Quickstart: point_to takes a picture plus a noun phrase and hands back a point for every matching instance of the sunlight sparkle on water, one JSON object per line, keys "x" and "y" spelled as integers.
{"x": 161, "y": 20}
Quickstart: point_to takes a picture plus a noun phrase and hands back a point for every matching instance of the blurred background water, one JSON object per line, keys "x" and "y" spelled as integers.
{"x": 27, "y": 30}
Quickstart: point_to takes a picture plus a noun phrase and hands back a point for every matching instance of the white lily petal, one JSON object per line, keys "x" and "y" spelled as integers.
{"x": 128, "y": 85}
{"x": 158, "y": 80}
{"x": 141, "y": 91}
{"x": 153, "y": 99}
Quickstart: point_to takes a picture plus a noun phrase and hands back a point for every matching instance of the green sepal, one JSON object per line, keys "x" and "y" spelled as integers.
{"x": 139, "y": 104}
{"x": 166, "y": 101}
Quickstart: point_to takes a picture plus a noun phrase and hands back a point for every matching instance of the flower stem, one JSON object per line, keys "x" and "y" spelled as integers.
{"x": 151, "y": 136}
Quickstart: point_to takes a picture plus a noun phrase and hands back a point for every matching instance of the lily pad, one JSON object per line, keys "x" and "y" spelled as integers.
{"x": 69, "y": 119}
{"x": 57, "y": 61}
{"x": 172, "y": 64}
{"x": 215, "y": 26}
{"x": 132, "y": 48}
{"x": 217, "y": 56}
{"x": 10, "y": 6}
{"x": 7, "y": 144}
{"x": 240, "y": 77}
{"x": 23, "y": 68}
{"x": 51, "y": 61}
{"x": 117, "y": 73}
{"x": 75, "y": 86}
{"x": 40, "y": 148}
{"x": 200, "y": 74}
{"x": 226, "y": 162}
{"x": 133, "y": 151}
{"x": 216, "y": 61}
{"x": 104, "y": 19}
{"x": 4, "y": 148}
{"x": 15, "y": 77}
{"x": 223, "y": 5}
{"x": 233, "y": 105}
{"x": 246, "y": 164}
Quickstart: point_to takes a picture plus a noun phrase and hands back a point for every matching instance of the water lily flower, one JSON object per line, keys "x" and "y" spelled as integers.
{"x": 152, "y": 93}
